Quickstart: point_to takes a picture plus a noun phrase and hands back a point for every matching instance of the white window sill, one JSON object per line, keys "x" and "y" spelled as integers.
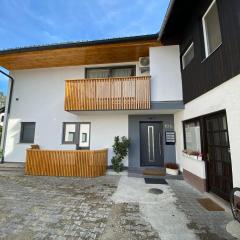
{"x": 192, "y": 157}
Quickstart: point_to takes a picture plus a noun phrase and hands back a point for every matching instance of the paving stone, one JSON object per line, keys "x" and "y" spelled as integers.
{"x": 207, "y": 225}
{"x": 55, "y": 208}
{"x": 33, "y": 208}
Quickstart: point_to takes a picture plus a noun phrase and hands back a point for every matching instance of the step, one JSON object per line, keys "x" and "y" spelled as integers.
{"x": 11, "y": 165}
{"x": 12, "y": 169}
{"x": 11, "y": 173}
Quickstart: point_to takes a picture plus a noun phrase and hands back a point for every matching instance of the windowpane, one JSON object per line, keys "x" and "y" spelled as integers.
{"x": 122, "y": 72}
{"x": 84, "y": 133}
{"x": 213, "y": 37}
{"x": 188, "y": 56}
{"x": 27, "y": 132}
{"x": 98, "y": 73}
{"x": 193, "y": 136}
{"x": 110, "y": 72}
{"x": 69, "y": 132}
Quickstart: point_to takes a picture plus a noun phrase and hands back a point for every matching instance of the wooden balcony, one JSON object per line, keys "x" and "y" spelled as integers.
{"x": 125, "y": 93}
{"x": 66, "y": 163}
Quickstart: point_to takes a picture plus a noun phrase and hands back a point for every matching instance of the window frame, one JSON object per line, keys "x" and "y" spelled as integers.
{"x": 206, "y": 39}
{"x": 64, "y": 133}
{"x": 21, "y": 140}
{"x": 185, "y": 53}
{"x": 133, "y": 67}
{"x": 195, "y": 121}
{"x": 76, "y": 139}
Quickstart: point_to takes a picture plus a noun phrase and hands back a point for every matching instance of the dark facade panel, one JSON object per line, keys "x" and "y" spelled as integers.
{"x": 204, "y": 74}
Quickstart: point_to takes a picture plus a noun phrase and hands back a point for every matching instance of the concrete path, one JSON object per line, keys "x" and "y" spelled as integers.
{"x": 159, "y": 210}
{"x": 175, "y": 214}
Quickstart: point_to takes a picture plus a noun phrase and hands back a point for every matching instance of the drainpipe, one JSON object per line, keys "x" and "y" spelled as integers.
{"x": 7, "y": 112}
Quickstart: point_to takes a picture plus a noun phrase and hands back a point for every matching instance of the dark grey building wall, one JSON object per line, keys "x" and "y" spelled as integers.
{"x": 134, "y": 135}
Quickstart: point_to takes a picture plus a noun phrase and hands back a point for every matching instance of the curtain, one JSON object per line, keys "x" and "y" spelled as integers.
{"x": 122, "y": 72}
{"x": 98, "y": 73}
{"x": 107, "y": 72}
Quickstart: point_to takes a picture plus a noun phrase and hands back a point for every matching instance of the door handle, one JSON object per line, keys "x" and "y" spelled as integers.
{"x": 160, "y": 145}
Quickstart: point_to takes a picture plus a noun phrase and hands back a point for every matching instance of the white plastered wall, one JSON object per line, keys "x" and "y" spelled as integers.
{"x": 38, "y": 96}
{"x": 225, "y": 96}
{"x": 165, "y": 71}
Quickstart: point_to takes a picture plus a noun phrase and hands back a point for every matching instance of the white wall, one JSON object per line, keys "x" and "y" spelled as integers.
{"x": 225, "y": 96}
{"x": 2, "y": 115}
{"x": 40, "y": 95}
{"x": 194, "y": 166}
{"x": 165, "y": 74}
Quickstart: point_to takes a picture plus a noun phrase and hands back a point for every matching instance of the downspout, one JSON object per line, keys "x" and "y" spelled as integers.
{"x": 7, "y": 112}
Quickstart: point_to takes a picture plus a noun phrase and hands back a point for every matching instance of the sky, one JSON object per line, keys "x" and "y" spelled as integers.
{"x": 36, "y": 22}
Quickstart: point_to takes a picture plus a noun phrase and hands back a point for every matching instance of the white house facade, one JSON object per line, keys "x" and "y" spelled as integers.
{"x": 175, "y": 95}
{"x": 38, "y": 99}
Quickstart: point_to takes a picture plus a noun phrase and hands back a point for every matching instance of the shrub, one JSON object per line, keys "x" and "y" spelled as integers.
{"x": 120, "y": 149}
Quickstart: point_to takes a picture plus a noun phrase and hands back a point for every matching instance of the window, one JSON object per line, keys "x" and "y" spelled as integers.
{"x": 188, "y": 56}
{"x": 77, "y": 133}
{"x": 123, "y": 71}
{"x": 192, "y": 136}
{"x": 69, "y": 133}
{"x": 211, "y": 29}
{"x": 84, "y": 136}
{"x": 27, "y": 132}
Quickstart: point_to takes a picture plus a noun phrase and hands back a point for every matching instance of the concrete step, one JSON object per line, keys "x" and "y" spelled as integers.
{"x": 11, "y": 169}
{"x": 11, "y": 165}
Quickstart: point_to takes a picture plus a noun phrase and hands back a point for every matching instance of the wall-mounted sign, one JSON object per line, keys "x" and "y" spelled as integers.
{"x": 170, "y": 137}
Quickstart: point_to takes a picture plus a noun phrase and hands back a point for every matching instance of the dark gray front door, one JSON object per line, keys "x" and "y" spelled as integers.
{"x": 151, "y": 144}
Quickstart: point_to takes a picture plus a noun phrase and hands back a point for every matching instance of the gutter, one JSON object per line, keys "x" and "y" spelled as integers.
{"x": 7, "y": 112}
{"x": 169, "y": 10}
{"x": 79, "y": 44}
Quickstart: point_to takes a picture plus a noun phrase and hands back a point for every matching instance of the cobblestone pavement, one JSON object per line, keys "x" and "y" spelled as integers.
{"x": 126, "y": 223}
{"x": 206, "y": 225}
{"x": 67, "y": 208}
{"x": 86, "y": 209}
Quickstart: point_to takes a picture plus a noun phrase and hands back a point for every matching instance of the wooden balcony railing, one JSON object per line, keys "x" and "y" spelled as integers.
{"x": 66, "y": 163}
{"x": 125, "y": 93}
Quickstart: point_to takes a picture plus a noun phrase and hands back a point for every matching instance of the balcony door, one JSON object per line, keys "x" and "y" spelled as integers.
{"x": 151, "y": 144}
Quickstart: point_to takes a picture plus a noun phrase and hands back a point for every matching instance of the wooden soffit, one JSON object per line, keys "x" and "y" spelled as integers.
{"x": 81, "y": 55}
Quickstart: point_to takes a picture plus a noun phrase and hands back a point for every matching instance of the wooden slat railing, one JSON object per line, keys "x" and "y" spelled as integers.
{"x": 66, "y": 163}
{"x": 125, "y": 93}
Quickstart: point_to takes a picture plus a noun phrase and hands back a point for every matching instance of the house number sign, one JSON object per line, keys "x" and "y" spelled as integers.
{"x": 170, "y": 137}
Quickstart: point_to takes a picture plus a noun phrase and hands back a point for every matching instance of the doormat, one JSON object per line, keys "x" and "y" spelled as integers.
{"x": 210, "y": 205}
{"x": 154, "y": 172}
{"x": 155, "y": 181}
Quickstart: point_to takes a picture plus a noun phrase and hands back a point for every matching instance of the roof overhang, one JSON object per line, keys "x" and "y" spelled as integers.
{"x": 79, "y": 53}
{"x": 176, "y": 19}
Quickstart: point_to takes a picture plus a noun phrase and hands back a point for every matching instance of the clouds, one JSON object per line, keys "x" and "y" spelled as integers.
{"x": 30, "y": 22}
